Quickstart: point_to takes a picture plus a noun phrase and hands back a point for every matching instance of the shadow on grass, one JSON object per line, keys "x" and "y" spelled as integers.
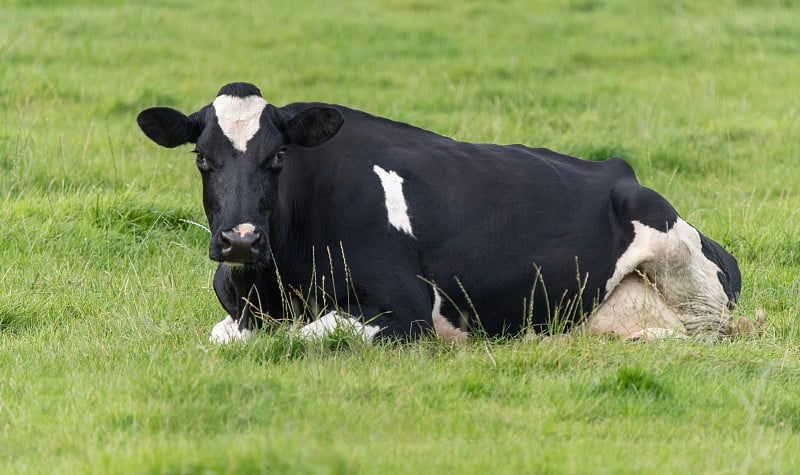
{"x": 635, "y": 382}
{"x": 284, "y": 344}
{"x": 19, "y": 319}
{"x": 785, "y": 415}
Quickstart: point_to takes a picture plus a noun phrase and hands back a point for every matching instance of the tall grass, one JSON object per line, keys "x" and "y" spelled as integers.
{"x": 105, "y": 288}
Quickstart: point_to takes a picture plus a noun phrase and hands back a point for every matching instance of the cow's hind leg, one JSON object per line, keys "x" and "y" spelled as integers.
{"x": 672, "y": 255}
{"x": 686, "y": 279}
{"x": 635, "y": 311}
{"x": 689, "y": 281}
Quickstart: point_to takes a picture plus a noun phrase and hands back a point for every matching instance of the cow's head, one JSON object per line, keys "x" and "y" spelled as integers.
{"x": 241, "y": 143}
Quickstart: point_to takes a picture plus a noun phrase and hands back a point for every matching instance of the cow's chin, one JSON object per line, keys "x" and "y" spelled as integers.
{"x": 259, "y": 261}
{"x": 239, "y": 267}
{"x": 237, "y": 264}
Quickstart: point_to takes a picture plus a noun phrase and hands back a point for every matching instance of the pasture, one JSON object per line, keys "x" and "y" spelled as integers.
{"x": 105, "y": 287}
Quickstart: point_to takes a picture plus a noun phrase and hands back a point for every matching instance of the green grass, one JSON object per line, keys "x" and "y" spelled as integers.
{"x": 105, "y": 289}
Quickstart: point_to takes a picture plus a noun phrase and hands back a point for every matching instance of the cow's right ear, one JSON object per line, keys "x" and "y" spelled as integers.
{"x": 313, "y": 126}
{"x": 168, "y": 127}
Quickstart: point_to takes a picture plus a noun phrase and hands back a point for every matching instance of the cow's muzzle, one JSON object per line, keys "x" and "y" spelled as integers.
{"x": 241, "y": 245}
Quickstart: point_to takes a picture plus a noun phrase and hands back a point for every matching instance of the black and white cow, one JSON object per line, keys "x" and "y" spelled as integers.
{"x": 396, "y": 231}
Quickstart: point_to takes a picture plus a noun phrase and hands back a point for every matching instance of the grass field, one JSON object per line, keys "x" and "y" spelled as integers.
{"x": 105, "y": 288}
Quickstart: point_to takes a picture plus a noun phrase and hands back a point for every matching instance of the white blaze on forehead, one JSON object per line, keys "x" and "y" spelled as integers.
{"x": 239, "y": 118}
{"x": 396, "y": 206}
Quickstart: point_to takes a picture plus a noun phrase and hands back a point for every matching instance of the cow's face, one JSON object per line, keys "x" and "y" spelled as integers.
{"x": 240, "y": 144}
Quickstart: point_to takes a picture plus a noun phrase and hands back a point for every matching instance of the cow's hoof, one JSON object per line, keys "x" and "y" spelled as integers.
{"x": 227, "y": 331}
{"x": 332, "y": 322}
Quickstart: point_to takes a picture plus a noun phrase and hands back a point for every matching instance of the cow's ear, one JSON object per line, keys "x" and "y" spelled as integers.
{"x": 313, "y": 126}
{"x": 168, "y": 127}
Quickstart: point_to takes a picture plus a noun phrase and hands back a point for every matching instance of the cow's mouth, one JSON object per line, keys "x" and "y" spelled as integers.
{"x": 239, "y": 256}
{"x": 240, "y": 265}
{"x": 236, "y": 264}
{"x": 232, "y": 259}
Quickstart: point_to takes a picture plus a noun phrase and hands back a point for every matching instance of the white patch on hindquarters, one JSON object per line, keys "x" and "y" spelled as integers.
{"x": 332, "y": 321}
{"x": 239, "y": 117}
{"x": 227, "y": 331}
{"x": 396, "y": 206}
{"x": 685, "y": 279}
{"x": 442, "y": 326}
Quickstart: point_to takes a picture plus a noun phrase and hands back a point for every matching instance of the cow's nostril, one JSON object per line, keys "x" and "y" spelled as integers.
{"x": 257, "y": 241}
{"x": 240, "y": 248}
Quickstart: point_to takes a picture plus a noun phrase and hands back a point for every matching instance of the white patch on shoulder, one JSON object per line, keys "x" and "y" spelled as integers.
{"x": 227, "y": 331}
{"x": 442, "y": 326}
{"x": 396, "y": 206}
{"x": 331, "y": 321}
{"x": 239, "y": 118}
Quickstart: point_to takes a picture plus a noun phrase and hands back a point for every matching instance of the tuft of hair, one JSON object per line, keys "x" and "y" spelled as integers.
{"x": 239, "y": 89}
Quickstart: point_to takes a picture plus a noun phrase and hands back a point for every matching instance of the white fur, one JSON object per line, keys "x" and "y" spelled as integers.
{"x": 678, "y": 289}
{"x": 442, "y": 326}
{"x": 330, "y": 322}
{"x": 634, "y": 310}
{"x": 239, "y": 118}
{"x": 396, "y": 206}
{"x": 227, "y": 331}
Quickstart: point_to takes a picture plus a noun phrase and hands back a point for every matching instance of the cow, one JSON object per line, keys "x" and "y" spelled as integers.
{"x": 394, "y": 232}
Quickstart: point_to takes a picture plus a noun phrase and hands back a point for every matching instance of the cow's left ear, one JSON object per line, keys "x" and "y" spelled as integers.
{"x": 313, "y": 126}
{"x": 168, "y": 127}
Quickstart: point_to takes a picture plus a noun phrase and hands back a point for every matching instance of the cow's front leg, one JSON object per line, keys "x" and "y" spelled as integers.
{"x": 229, "y": 330}
{"x": 334, "y": 321}
{"x": 382, "y": 327}
{"x": 237, "y": 291}
{"x": 398, "y": 311}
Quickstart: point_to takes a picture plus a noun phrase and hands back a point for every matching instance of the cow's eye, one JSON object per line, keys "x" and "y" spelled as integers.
{"x": 277, "y": 159}
{"x": 202, "y": 162}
